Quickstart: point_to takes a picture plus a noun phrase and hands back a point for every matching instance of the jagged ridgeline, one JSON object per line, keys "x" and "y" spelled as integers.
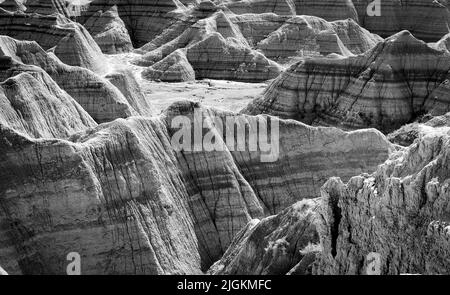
{"x": 399, "y": 80}
{"x": 358, "y": 90}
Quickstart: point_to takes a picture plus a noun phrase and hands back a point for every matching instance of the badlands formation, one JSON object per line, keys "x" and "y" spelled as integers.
{"x": 354, "y": 95}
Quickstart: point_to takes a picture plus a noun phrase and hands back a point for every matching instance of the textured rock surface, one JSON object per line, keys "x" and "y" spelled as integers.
{"x": 96, "y": 95}
{"x": 306, "y": 35}
{"x": 173, "y": 68}
{"x": 143, "y": 19}
{"x": 47, "y": 7}
{"x": 109, "y": 31}
{"x": 406, "y": 135}
{"x": 148, "y": 209}
{"x": 401, "y": 212}
{"x": 70, "y": 41}
{"x": 412, "y": 15}
{"x": 218, "y": 58}
{"x": 223, "y": 45}
{"x": 126, "y": 82}
{"x": 276, "y": 244}
{"x": 33, "y": 104}
{"x": 386, "y": 87}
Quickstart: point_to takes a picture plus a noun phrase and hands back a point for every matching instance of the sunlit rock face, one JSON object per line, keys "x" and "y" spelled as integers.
{"x": 103, "y": 100}
{"x": 173, "y": 68}
{"x": 109, "y": 31}
{"x": 386, "y": 87}
{"x": 401, "y": 212}
{"x": 385, "y": 19}
{"x": 247, "y": 47}
{"x": 287, "y": 243}
{"x": 125, "y": 177}
{"x": 70, "y": 41}
{"x": 34, "y": 105}
{"x": 394, "y": 221}
{"x": 144, "y": 20}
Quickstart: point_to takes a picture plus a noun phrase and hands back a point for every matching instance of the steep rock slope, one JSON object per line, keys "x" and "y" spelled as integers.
{"x": 125, "y": 81}
{"x": 407, "y": 134}
{"x": 33, "y": 104}
{"x": 70, "y": 41}
{"x": 230, "y": 41}
{"x": 129, "y": 202}
{"x": 173, "y": 68}
{"x": 47, "y": 7}
{"x": 100, "y": 98}
{"x": 315, "y": 36}
{"x": 386, "y": 87}
{"x": 218, "y": 58}
{"x": 399, "y": 214}
{"x": 285, "y": 243}
{"x": 388, "y": 18}
{"x": 144, "y": 20}
{"x": 402, "y": 212}
{"x": 109, "y": 31}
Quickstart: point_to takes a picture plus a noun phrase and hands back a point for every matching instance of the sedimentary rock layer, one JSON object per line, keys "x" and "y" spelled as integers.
{"x": 47, "y": 7}
{"x": 407, "y": 134}
{"x": 70, "y": 41}
{"x": 277, "y": 245}
{"x": 222, "y": 46}
{"x": 130, "y": 202}
{"x": 143, "y": 19}
{"x": 33, "y": 104}
{"x": 173, "y": 68}
{"x": 401, "y": 213}
{"x": 100, "y": 98}
{"x": 109, "y": 31}
{"x": 395, "y": 221}
{"x": 386, "y": 87}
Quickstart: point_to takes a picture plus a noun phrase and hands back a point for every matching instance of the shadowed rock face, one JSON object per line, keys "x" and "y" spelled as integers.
{"x": 34, "y": 105}
{"x": 306, "y": 35}
{"x": 109, "y": 31}
{"x": 146, "y": 208}
{"x": 401, "y": 212}
{"x": 386, "y": 87}
{"x": 411, "y": 15}
{"x": 219, "y": 58}
{"x": 70, "y": 41}
{"x": 100, "y": 98}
